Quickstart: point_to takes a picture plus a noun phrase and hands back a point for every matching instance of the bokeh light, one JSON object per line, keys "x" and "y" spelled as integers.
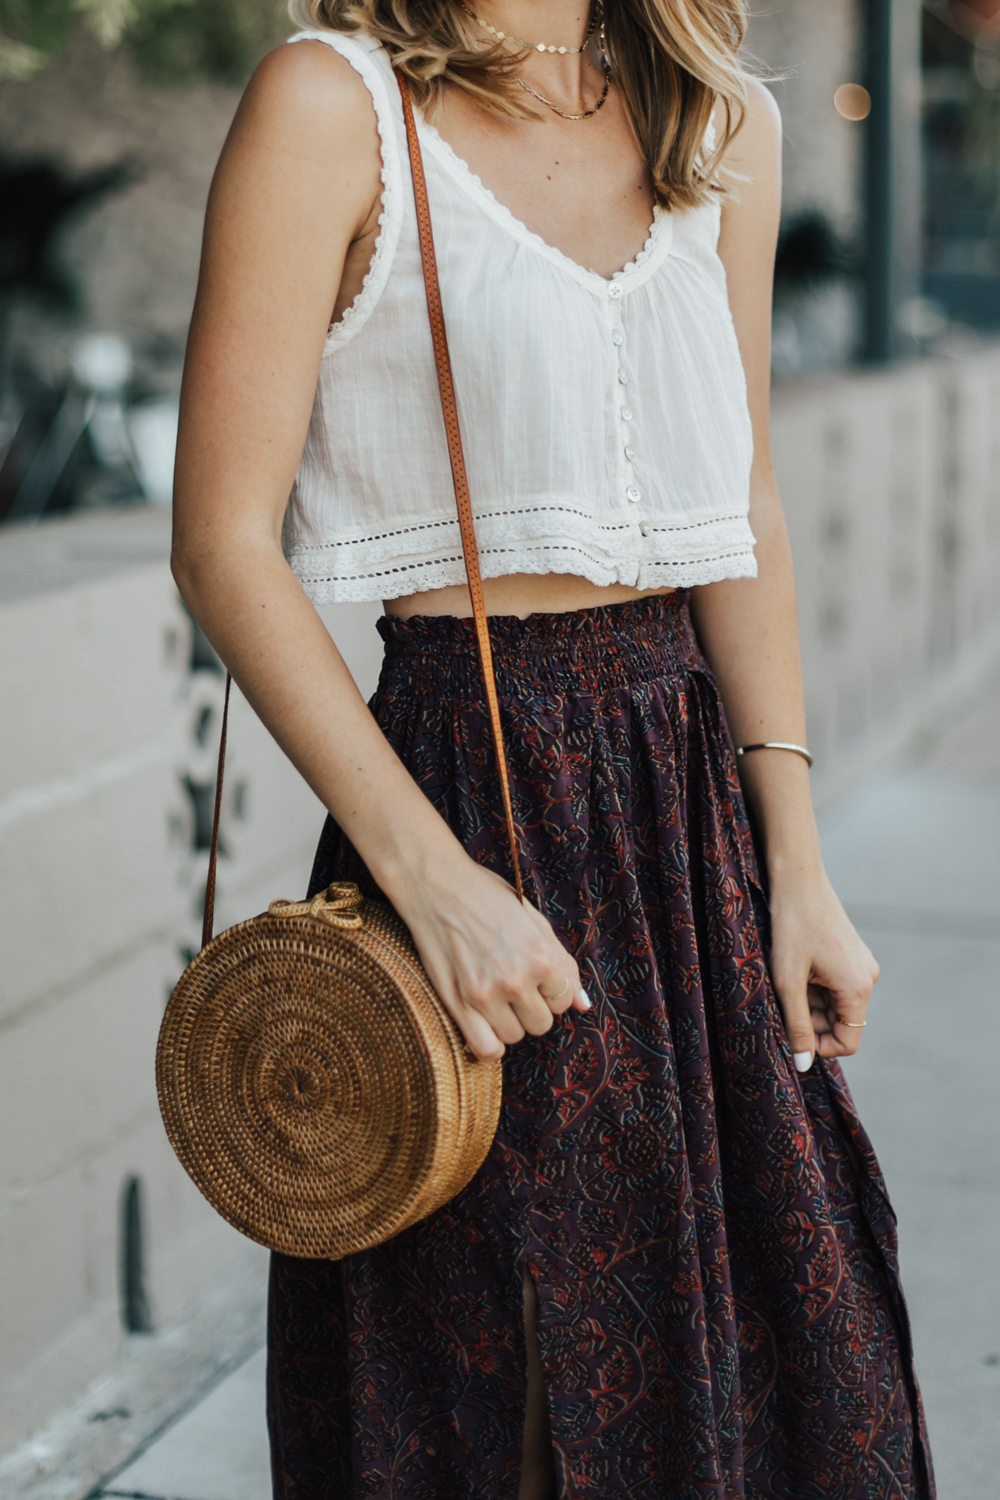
{"x": 852, "y": 101}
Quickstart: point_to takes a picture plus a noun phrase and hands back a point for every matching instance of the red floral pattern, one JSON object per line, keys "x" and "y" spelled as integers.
{"x": 719, "y": 1307}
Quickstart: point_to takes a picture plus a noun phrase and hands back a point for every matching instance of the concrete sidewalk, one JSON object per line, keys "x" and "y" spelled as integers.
{"x": 916, "y": 859}
{"x": 915, "y": 854}
{"x": 218, "y": 1451}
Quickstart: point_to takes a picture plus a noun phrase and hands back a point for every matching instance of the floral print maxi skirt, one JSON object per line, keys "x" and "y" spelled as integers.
{"x": 719, "y": 1311}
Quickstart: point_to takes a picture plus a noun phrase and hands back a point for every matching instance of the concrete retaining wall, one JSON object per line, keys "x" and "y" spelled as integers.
{"x": 107, "y": 716}
{"x": 891, "y": 484}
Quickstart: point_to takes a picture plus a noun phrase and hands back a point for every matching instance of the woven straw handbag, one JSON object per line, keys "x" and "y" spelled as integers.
{"x": 310, "y": 1080}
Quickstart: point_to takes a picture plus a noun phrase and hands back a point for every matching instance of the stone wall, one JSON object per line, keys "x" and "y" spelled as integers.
{"x": 891, "y": 485}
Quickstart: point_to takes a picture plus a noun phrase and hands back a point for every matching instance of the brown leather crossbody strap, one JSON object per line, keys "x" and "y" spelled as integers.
{"x": 208, "y": 918}
{"x": 454, "y": 436}
{"x": 449, "y": 409}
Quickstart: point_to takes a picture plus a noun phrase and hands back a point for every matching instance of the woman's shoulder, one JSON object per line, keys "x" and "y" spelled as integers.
{"x": 308, "y": 130}
{"x": 758, "y": 140}
{"x": 321, "y": 81}
{"x": 763, "y": 114}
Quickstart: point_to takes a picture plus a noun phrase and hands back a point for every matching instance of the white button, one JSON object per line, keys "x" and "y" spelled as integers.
{"x": 630, "y": 453}
{"x": 614, "y": 289}
{"x": 622, "y": 376}
{"x": 644, "y": 527}
{"x": 618, "y": 338}
{"x": 626, "y": 413}
{"x": 633, "y": 494}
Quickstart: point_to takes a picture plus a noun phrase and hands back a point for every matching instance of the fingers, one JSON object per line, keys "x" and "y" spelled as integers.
{"x": 823, "y": 975}
{"x": 543, "y": 975}
{"x": 537, "y": 994}
{"x": 559, "y": 986}
{"x": 843, "y": 1000}
{"x": 529, "y": 991}
{"x": 496, "y": 964}
{"x": 793, "y": 997}
{"x": 479, "y": 1035}
{"x": 846, "y": 1017}
{"x": 496, "y": 1014}
{"x": 504, "y": 1002}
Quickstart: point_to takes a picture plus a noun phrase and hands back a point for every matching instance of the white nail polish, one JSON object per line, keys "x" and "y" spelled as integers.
{"x": 803, "y": 1061}
{"x": 586, "y": 1000}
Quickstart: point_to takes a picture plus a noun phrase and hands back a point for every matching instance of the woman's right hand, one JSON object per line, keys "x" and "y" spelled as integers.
{"x": 498, "y": 966}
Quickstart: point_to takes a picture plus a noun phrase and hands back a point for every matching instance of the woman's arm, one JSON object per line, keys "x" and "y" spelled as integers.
{"x": 748, "y": 629}
{"x": 295, "y": 200}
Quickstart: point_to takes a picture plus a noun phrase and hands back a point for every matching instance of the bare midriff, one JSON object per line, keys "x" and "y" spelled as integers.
{"x": 519, "y": 594}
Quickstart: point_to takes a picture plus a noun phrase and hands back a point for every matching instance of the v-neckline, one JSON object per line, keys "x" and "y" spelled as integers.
{"x": 655, "y": 248}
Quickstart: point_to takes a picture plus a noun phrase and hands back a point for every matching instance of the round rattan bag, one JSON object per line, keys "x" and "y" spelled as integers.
{"x": 312, "y": 1083}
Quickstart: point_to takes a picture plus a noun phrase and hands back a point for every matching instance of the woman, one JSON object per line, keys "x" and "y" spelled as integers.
{"x": 675, "y": 1274}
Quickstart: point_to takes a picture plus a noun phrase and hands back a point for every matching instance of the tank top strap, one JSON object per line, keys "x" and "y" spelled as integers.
{"x": 368, "y": 58}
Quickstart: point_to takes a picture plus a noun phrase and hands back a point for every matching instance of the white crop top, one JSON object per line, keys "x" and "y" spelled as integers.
{"x": 604, "y": 422}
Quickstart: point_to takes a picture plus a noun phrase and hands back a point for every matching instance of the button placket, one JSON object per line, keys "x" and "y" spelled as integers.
{"x": 627, "y": 450}
{"x": 616, "y": 349}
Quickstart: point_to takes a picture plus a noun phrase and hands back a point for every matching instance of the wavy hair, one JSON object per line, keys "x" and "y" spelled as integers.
{"x": 673, "y": 61}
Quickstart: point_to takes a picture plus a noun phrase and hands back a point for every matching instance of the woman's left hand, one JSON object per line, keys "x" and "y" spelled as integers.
{"x": 823, "y": 973}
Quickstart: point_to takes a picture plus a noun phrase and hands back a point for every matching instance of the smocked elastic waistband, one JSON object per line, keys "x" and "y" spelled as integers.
{"x": 580, "y": 650}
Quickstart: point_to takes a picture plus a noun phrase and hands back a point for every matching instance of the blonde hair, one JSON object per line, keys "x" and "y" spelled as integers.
{"x": 672, "y": 60}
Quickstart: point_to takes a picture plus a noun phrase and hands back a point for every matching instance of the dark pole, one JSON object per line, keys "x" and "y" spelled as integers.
{"x": 880, "y": 310}
{"x": 135, "y": 1305}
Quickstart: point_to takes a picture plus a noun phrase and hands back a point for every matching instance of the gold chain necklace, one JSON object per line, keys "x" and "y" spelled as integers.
{"x": 589, "y": 112}
{"x": 537, "y": 46}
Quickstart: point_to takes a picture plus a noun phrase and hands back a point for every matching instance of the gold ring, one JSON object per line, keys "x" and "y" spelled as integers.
{"x": 855, "y": 1025}
{"x": 553, "y": 998}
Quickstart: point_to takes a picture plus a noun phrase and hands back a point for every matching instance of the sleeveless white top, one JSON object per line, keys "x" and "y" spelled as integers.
{"x": 604, "y": 422}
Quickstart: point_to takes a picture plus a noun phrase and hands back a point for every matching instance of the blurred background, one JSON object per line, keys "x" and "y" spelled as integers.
{"x": 123, "y": 1300}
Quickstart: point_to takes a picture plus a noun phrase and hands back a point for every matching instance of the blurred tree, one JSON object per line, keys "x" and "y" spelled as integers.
{"x": 212, "y": 39}
{"x": 811, "y": 254}
{"x": 36, "y": 201}
{"x": 182, "y": 40}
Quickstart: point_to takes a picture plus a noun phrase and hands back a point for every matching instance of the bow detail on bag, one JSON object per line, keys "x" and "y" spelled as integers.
{"x": 336, "y": 905}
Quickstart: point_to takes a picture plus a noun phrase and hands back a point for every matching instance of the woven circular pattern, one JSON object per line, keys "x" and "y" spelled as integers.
{"x": 312, "y": 1083}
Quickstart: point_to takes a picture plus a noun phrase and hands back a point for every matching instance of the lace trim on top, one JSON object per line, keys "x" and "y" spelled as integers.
{"x": 658, "y": 239}
{"x": 539, "y": 538}
{"x": 416, "y": 577}
{"x": 391, "y": 216}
